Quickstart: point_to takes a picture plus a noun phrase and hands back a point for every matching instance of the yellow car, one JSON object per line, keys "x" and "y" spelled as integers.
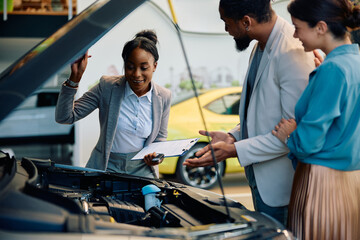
{"x": 220, "y": 108}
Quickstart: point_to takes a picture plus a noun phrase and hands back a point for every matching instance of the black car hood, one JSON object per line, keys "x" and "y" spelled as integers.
{"x": 38, "y": 196}
{"x": 60, "y": 49}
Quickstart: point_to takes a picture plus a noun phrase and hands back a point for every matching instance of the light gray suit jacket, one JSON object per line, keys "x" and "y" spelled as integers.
{"x": 107, "y": 97}
{"x": 281, "y": 78}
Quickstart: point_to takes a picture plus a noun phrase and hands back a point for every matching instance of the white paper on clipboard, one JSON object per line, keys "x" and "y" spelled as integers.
{"x": 169, "y": 148}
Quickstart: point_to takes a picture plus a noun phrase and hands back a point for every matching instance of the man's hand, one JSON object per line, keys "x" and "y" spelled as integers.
{"x": 218, "y": 136}
{"x": 222, "y": 151}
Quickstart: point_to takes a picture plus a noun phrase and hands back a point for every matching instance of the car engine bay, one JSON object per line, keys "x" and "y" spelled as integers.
{"x": 40, "y": 196}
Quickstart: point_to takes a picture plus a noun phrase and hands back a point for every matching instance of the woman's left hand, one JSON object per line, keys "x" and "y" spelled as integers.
{"x": 318, "y": 58}
{"x": 284, "y": 128}
{"x": 149, "y": 159}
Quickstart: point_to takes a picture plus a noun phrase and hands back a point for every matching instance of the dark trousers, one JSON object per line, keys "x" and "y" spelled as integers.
{"x": 279, "y": 213}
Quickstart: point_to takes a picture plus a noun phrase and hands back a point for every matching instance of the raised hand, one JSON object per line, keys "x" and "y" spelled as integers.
{"x": 78, "y": 68}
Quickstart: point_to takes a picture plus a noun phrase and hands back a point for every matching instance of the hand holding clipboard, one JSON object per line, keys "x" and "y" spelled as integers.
{"x": 168, "y": 148}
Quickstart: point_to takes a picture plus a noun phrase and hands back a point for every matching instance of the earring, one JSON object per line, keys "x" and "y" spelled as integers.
{"x": 247, "y": 28}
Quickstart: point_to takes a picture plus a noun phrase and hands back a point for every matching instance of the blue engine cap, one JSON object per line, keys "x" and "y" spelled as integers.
{"x": 151, "y": 188}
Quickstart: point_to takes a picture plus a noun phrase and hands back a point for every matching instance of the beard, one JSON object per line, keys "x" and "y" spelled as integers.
{"x": 242, "y": 43}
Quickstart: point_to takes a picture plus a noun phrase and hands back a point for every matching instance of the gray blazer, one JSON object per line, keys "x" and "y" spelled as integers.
{"x": 107, "y": 96}
{"x": 281, "y": 78}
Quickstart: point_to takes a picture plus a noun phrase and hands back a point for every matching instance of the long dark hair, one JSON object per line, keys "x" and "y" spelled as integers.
{"x": 258, "y": 9}
{"x": 339, "y": 15}
{"x": 146, "y": 40}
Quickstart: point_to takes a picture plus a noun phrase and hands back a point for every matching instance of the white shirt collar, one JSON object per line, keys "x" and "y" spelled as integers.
{"x": 129, "y": 91}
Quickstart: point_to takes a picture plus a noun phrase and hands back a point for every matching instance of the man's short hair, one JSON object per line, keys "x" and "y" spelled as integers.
{"x": 258, "y": 9}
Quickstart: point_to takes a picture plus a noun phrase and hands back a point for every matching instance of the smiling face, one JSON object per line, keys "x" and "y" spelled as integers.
{"x": 237, "y": 30}
{"x": 139, "y": 70}
{"x": 306, "y": 34}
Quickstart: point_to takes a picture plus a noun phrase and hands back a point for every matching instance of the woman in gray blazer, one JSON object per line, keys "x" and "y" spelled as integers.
{"x": 133, "y": 110}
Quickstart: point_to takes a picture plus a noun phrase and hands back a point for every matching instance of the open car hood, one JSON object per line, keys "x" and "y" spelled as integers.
{"x": 38, "y": 196}
{"x": 60, "y": 49}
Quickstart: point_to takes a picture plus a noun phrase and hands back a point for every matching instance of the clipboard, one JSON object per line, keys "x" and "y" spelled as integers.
{"x": 172, "y": 148}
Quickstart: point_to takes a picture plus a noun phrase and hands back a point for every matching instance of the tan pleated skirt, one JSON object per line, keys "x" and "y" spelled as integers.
{"x": 325, "y": 203}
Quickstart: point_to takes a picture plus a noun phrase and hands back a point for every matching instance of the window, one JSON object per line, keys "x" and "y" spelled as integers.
{"x": 43, "y": 99}
{"x": 30, "y": 102}
{"x": 226, "y": 105}
{"x": 47, "y": 99}
{"x": 51, "y": 7}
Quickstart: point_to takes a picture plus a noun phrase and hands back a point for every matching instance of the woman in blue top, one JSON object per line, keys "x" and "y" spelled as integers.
{"x": 324, "y": 139}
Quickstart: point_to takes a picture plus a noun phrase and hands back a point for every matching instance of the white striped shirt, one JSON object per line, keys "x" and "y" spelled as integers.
{"x": 135, "y": 122}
